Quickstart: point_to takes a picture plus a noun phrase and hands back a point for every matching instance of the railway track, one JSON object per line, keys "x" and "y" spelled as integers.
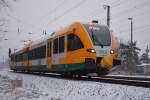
{"x": 123, "y": 80}
{"x": 131, "y": 81}
{"x": 142, "y": 78}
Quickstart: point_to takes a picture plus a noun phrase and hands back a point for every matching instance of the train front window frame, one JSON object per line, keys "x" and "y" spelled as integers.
{"x": 99, "y": 34}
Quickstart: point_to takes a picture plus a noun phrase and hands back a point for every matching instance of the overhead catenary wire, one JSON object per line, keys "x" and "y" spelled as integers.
{"x": 117, "y": 4}
{"x": 138, "y": 29}
{"x": 117, "y": 19}
{"x": 52, "y": 11}
{"x": 60, "y": 16}
{"x": 131, "y": 9}
{"x": 24, "y": 24}
{"x": 63, "y": 14}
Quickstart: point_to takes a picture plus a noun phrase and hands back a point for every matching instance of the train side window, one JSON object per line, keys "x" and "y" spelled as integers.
{"x": 61, "y": 44}
{"x": 19, "y": 57}
{"x": 34, "y": 54}
{"x": 25, "y": 56}
{"x": 29, "y": 53}
{"x": 55, "y": 46}
{"x": 74, "y": 42}
{"x": 44, "y": 51}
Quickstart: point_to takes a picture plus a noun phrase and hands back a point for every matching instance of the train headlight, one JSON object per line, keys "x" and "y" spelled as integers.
{"x": 91, "y": 50}
{"x": 112, "y": 51}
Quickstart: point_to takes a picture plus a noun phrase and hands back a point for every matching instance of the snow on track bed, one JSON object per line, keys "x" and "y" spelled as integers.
{"x": 63, "y": 89}
{"x": 10, "y": 92}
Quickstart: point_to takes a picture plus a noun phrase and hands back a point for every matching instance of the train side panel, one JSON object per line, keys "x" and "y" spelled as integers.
{"x": 74, "y": 60}
{"x": 68, "y": 50}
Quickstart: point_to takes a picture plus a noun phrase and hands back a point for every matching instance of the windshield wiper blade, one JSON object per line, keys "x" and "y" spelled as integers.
{"x": 99, "y": 43}
{"x": 95, "y": 39}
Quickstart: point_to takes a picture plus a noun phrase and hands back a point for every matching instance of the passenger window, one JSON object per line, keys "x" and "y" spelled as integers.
{"x": 61, "y": 44}
{"x": 43, "y": 51}
{"x": 74, "y": 42}
{"x": 55, "y": 46}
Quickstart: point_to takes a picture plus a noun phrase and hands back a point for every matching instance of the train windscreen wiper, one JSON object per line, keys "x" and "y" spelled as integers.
{"x": 95, "y": 39}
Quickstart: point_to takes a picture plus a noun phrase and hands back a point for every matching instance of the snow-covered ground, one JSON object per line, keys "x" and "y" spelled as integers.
{"x": 9, "y": 92}
{"x": 47, "y": 88}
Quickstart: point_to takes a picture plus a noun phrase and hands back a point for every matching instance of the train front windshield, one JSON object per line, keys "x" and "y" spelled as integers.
{"x": 99, "y": 34}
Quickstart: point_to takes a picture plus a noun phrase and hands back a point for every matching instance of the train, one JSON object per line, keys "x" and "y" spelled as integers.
{"x": 77, "y": 49}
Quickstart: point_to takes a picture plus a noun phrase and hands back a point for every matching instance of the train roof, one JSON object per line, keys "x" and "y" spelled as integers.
{"x": 66, "y": 29}
{"x": 42, "y": 41}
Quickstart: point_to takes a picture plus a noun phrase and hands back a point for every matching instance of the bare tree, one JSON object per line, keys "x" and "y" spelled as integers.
{"x": 3, "y": 4}
{"x": 145, "y": 56}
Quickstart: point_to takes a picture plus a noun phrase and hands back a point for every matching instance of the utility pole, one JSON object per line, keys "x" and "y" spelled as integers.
{"x": 108, "y": 14}
{"x": 130, "y": 18}
{"x": 3, "y": 59}
{"x": 147, "y": 51}
{"x": 131, "y": 30}
{"x": 132, "y": 55}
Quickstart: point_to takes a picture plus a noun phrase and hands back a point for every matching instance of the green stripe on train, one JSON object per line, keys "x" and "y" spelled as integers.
{"x": 71, "y": 67}
{"x": 59, "y": 67}
{"x": 37, "y": 68}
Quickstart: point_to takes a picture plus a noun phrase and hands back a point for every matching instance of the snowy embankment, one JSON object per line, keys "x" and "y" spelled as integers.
{"x": 48, "y": 88}
{"x": 8, "y": 91}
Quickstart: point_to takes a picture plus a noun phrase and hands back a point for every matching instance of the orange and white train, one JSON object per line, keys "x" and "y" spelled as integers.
{"x": 77, "y": 49}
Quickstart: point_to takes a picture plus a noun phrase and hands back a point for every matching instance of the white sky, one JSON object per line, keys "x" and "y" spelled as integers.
{"x": 37, "y": 15}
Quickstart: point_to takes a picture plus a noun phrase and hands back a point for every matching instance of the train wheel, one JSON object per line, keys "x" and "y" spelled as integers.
{"x": 89, "y": 76}
{"x": 103, "y": 72}
{"x": 14, "y": 70}
{"x": 67, "y": 74}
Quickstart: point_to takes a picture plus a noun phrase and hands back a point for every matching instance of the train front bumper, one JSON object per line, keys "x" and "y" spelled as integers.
{"x": 109, "y": 61}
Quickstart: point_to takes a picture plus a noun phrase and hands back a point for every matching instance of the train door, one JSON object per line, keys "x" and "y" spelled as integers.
{"x": 24, "y": 63}
{"x": 55, "y": 54}
{"x": 61, "y": 51}
{"x": 58, "y": 51}
{"x": 49, "y": 58}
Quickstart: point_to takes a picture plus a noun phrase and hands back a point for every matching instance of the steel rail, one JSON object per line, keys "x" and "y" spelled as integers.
{"x": 130, "y": 81}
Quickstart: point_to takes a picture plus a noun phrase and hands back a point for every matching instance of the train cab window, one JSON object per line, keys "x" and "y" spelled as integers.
{"x": 74, "y": 42}
{"x": 55, "y": 46}
{"x": 61, "y": 44}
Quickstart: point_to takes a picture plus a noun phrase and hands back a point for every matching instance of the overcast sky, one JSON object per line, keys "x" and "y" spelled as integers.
{"x": 34, "y": 16}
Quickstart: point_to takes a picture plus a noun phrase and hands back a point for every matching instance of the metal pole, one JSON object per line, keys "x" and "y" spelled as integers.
{"x": 132, "y": 55}
{"x": 108, "y": 15}
{"x": 131, "y": 33}
{"x": 147, "y": 51}
{"x": 3, "y": 59}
